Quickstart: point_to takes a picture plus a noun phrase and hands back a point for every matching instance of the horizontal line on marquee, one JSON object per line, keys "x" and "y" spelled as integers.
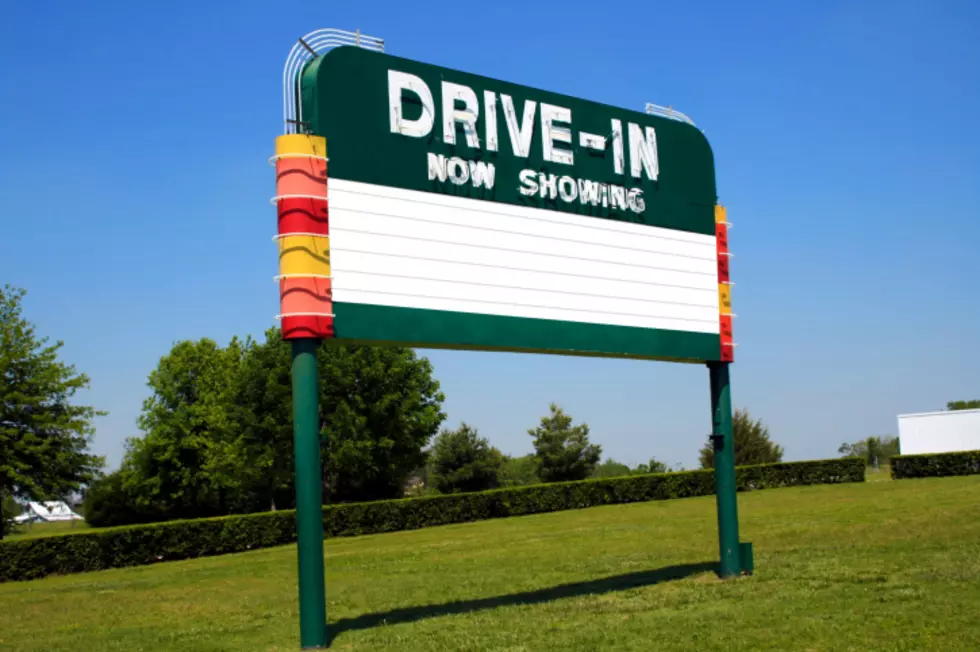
{"x": 712, "y": 322}
{"x": 514, "y": 210}
{"x": 712, "y": 247}
{"x": 713, "y": 272}
{"x": 713, "y": 289}
{"x": 525, "y": 289}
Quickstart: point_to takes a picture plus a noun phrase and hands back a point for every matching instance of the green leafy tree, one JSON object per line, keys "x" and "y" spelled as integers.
{"x": 263, "y": 414}
{"x": 964, "y": 405}
{"x": 109, "y": 503}
{"x": 380, "y": 407}
{"x": 653, "y": 466}
{"x": 752, "y": 443}
{"x": 219, "y": 438}
{"x": 872, "y": 449}
{"x": 463, "y": 461}
{"x": 562, "y": 451}
{"x": 188, "y": 464}
{"x": 44, "y": 434}
{"x": 610, "y": 469}
{"x": 8, "y": 510}
{"x": 519, "y": 471}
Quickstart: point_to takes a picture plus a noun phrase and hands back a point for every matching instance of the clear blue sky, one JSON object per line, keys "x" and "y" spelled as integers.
{"x": 134, "y": 195}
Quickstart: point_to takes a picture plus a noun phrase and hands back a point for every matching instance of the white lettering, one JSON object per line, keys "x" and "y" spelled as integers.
{"x": 588, "y": 191}
{"x": 529, "y": 186}
{"x": 592, "y": 141}
{"x": 617, "y": 138}
{"x": 550, "y": 134}
{"x": 520, "y": 134}
{"x": 604, "y": 195}
{"x": 451, "y": 94}
{"x": 618, "y": 197}
{"x": 549, "y": 185}
{"x": 482, "y": 174}
{"x": 459, "y": 172}
{"x": 637, "y": 204}
{"x": 490, "y": 119}
{"x": 437, "y": 167}
{"x": 643, "y": 150}
{"x": 567, "y": 189}
{"x": 402, "y": 81}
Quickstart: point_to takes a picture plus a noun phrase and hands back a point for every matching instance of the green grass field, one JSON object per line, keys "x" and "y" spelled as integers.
{"x": 46, "y": 530}
{"x": 873, "y": 566}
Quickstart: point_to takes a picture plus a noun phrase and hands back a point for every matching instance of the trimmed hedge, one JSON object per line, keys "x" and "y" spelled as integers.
{"x": 934, "y": 465}
{"x": 146, "y": 544}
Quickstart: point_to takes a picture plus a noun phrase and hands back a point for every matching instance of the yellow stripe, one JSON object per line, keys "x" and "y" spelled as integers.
{"x": 721, "y": 215}
{"x": 300, "y": 145}
{"x": 304, "y": 254}
{"x": 725, "y": 298}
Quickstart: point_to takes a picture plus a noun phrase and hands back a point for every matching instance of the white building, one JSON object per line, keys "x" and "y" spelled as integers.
{"x": 939, "y": 432}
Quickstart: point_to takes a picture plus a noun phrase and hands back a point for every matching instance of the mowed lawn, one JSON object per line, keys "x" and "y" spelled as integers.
{"x": 37, "y": 530}
{"x": 876, "y": 566}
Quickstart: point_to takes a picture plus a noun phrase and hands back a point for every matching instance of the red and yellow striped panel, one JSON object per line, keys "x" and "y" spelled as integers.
{"x": 724, "y": 286}
{"x": 305, "y": 297}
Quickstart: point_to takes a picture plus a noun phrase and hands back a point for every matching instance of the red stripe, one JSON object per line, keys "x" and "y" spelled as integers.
{"x": 721, "y": 233}
{"x": 723, "y": 269}
{"x": 306, "y": 327}
{"x": 303, "y": 215}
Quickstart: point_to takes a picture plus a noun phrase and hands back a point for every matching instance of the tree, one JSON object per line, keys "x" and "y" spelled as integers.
{"x": 611, "y": 469}
{"x": 189, "y": 463}
{"x": 519, "y": 471}
{"x": 562, "y": 451}
{"x": 752, "y": 443}
{"x": 964, "y": 405}
{"x": 380, "y": 407}
{"x": 44, "y": 435}
{"x": 653, "y": 466}
{"x": 872, "y": 449}
{"x": 464, "y": 461}
{"x": 108, "y": 503}
{"x": 263, "y": 414}
{"x": 218, "y": 435}
{"x": 8, "y": 510}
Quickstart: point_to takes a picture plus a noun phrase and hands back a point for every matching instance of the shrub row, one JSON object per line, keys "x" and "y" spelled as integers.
{"x": 147, "y": 544}
{"x": 935, "y": 465}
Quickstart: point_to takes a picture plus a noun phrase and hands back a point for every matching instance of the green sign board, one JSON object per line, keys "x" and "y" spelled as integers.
{"x": 467, "y": 212}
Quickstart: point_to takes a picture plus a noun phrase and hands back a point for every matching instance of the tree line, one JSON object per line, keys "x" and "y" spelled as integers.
{"x": 217, "y": 432}
{"x": 462, "y": 461}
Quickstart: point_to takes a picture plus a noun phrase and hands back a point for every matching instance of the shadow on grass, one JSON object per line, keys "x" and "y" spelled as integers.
{"x": 592, "y": 587}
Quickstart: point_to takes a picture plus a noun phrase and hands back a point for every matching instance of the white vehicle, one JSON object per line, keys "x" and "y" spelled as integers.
{"x": 939, "y": 432}
{"x": 47, "y": 512}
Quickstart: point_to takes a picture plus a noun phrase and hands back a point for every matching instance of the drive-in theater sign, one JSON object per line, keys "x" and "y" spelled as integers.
{"x": 422, "y": 206}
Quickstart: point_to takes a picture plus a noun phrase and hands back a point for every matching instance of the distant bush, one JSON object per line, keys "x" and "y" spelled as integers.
{"x": 464, "y": 461}
{"x": 519, "y": 471}
{"x": 146, "y": 544}
{"x": 935, "y": 465}
{"x": 751, "y": 441}
{"x": 874, "y": 449}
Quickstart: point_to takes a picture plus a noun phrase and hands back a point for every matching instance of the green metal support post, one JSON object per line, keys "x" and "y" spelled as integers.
{"x": 309, "y": 514}
{"x": 723, "y": 439}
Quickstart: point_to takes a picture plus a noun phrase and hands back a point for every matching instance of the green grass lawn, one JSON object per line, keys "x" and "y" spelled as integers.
{"x": 873, "y": 566}
{"x": 46, "y": 530}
